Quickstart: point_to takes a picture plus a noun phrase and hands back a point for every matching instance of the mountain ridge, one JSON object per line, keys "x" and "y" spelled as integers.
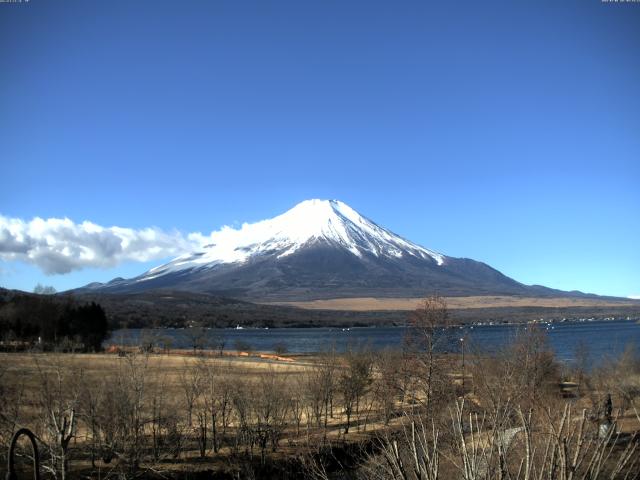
{"x": 321, "y": 249}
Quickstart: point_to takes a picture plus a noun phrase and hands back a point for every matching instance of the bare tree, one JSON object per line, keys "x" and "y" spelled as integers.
{"x": 58, "y": 405}
{"x": 522, "y": 373}
{"x": 191, "y": 384}
{"x": 217, "y": 341}
{"x": 388, "y": 384}
{"x": 320, "y": 388}
{"x": 271, "y": 409}
{"x": 12, "y": 392}
{"x": 280, "y": 348}
{"x": 241, "y": 396}
{"x": 482, "y": 447}
{"x": 353, "y": 382}
{"x": 124, "y": 413}
{"x": 148, "y": 339}
{"x": 89, "y": 401}
{"x": 196, "y": 338}
{"x": 427, "y": 330}
{"x": 297, "y": 401}
{"x": 413, "y": 454}
{"x": 161, "y": 420}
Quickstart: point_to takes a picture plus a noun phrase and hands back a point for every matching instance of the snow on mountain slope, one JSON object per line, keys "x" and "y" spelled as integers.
{"x": 328, "y": 221}
{"x": 320, "y": 249}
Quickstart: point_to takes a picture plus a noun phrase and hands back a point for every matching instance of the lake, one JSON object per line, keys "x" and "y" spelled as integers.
{"x": 602, "y": 338}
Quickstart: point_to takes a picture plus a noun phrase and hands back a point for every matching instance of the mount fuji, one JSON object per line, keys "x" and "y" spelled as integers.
{"x": 320, "y": 249}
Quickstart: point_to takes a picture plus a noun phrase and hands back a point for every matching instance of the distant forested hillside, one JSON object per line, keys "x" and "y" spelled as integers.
{"x": 67, "y": 316}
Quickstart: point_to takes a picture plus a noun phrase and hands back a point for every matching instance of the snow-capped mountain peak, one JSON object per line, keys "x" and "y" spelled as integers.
{"x": 317, "y": 249}
{"x": 326, "y": 221}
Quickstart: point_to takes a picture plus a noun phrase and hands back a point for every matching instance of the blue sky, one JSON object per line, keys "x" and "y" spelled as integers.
{"x": 507, "y": 132}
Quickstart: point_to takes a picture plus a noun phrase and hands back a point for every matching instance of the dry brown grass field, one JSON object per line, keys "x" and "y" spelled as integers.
{"x": 408, "y": 304}
{"x": 160, "y": 415}
{"x": 171, "y": 379}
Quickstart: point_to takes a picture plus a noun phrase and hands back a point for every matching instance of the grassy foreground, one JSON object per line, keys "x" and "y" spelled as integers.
{"x": 362, "y": 414}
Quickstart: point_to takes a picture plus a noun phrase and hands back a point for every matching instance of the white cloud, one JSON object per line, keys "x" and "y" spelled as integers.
{"x": 634, "y": 297}
{"x": 58, "y": 245}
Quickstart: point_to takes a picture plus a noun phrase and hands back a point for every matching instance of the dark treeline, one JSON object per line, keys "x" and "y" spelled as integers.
{"x": 177, "y": 309}
{"x": 49, "y": 322}
{"x": 181, "y": 309}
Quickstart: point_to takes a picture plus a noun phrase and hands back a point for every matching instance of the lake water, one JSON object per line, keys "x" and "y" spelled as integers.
{"x": 602, "y": 338}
